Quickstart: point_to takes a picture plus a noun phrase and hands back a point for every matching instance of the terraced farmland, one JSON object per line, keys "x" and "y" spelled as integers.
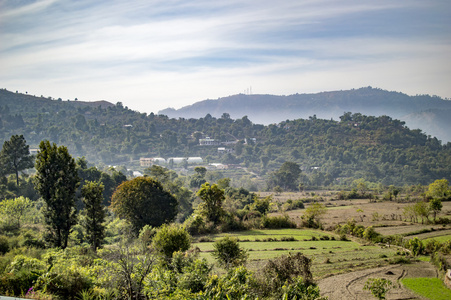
{"x": 330, "y": 256}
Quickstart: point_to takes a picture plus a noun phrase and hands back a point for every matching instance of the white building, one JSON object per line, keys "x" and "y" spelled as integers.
{"x": 208, "y": 142}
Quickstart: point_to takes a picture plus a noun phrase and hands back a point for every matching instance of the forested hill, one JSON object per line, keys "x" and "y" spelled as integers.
{"x": 378, "y": 149}
{"x": 428, "y": 113}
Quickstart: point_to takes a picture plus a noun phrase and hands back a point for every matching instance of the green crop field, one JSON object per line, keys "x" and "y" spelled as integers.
{"x": 328, "y": 256}
{"x": 431, "y": 288}
{"x": 299, "y": 234}
{"x": 440, "y": 239}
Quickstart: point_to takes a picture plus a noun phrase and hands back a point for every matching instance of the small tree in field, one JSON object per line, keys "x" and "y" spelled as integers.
{"x": 313, "y": 214}
{"x": 435, "y": 205}
{"x": 379, "y": 287}
{"x": 228, "y": 253}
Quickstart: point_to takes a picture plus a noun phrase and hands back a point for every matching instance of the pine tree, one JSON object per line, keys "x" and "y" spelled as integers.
{"x": 15, "y": 156}
{"x": 92, "y": 193}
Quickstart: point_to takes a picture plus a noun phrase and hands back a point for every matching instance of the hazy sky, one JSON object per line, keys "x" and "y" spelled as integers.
{"x": 151, "y": 55}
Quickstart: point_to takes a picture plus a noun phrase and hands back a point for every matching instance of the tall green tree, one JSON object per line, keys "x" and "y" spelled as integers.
{"x": 212, "y": 197}
{"x": 286, "y": 177}
{"x": 143, "y": 201}
{"x": 15, "y": 156}
{"x": 92, "y": 193}
{"x": 57, "y": 181}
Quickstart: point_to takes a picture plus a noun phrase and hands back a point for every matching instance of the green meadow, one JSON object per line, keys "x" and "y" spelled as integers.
{"x": 431, "y": 288}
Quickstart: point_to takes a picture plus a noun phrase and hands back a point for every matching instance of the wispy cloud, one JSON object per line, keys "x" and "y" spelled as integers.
{"x": 155, "y": 54}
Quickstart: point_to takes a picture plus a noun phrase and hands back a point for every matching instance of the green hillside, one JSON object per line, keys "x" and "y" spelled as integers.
{"x": 266, "y": 109}
{"x": 378, "y": 149}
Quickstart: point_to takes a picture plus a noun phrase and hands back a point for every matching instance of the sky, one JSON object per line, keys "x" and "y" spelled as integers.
{"x": 151, "y": 55}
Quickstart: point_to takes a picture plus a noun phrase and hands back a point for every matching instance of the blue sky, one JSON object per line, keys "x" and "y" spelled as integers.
{"x": 151, "y": 55}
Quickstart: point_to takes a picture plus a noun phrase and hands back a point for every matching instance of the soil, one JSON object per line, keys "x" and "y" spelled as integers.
{"x": 350, "y": 286}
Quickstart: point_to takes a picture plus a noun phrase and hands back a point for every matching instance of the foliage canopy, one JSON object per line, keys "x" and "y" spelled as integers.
{"x": 143, "y": 201}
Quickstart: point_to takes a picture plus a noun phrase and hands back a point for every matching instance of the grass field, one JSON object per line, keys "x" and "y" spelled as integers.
{"x": 329, "y": 256}
{"x": 431, "y": 288}
{"x": 440, "y": 239}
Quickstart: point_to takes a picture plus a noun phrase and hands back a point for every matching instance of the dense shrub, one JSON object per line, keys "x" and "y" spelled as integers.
{"x": 228, "y": 252}
{"x": 4, "y": 244}
{"x": 277, "y": 222}
{"x": 284, "y": 270}
{"x": 299, "y": 289}
{"x": 236, "y": 284}
{"x": 171, "y": 238}
{"x": 184, "y": 276}
{"x": 17, "y": 283}
{"x": 440, "y": 261}
{"x": 416, "y": 246}
{"x": 432, "y": 246}
{"x": 192, "y": 273}
{"x": 229, "y": 223}
{"x": 371, "y": 234}
{"x": 292, "y": 205}
{"x": 196, "y": 225}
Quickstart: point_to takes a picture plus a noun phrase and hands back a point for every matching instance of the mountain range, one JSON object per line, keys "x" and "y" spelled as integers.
{"x": 425, "y": 112}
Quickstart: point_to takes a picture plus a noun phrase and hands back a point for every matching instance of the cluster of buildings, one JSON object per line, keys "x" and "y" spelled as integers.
{"x": 147, "y": 162}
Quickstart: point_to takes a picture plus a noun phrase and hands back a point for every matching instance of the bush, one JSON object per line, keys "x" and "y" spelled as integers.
{"x": 4, "y": 244}
{"x": 446, "y": 247}
{"x": 284, "y": 270}
{"x": 439, "y": 260}
{"x": 378, "y": 287}
{"x": 235, "y": 285}
{"x": 196, "y": 225}
{"x": 399, "y": 260}
{"x": 371, "y": 234}
{"x": 192, "y": 273}
{"x": 171, "y": 238}
{"x": 442, "y": 220}
{"x": 65, "y": 284}
{"x": 416, "y": 246}
{"x": 432, "y": 246}
{"x": 230, "y": 223}
{"x": 18, "y": 283}
{"x": 278, "y": 222}
{"x": 300, "y": 290}
{"x": 228, "y": 253}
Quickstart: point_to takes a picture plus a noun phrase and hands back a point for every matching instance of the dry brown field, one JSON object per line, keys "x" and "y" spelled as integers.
{"x": 386, "y": 216}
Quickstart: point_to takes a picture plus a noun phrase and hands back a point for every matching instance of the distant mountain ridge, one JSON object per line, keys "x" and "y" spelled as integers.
{"x": 29, "y": 102}
{"x": 428, "y": 113}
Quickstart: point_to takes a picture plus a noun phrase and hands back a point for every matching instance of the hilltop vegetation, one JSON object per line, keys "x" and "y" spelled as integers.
{"x": 377, "y": 149}
{"x": 421, "y": 111}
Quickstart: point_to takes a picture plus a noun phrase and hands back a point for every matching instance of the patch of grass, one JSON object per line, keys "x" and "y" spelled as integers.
{"x": 440, "y": 239}
{"x": 424, "y": 258}
{"x": 277, "y": 234}
{"x": 431, "y": 288}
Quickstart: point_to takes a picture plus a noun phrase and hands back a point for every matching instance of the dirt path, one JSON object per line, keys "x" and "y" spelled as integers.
{"x": 350, "y": 286}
